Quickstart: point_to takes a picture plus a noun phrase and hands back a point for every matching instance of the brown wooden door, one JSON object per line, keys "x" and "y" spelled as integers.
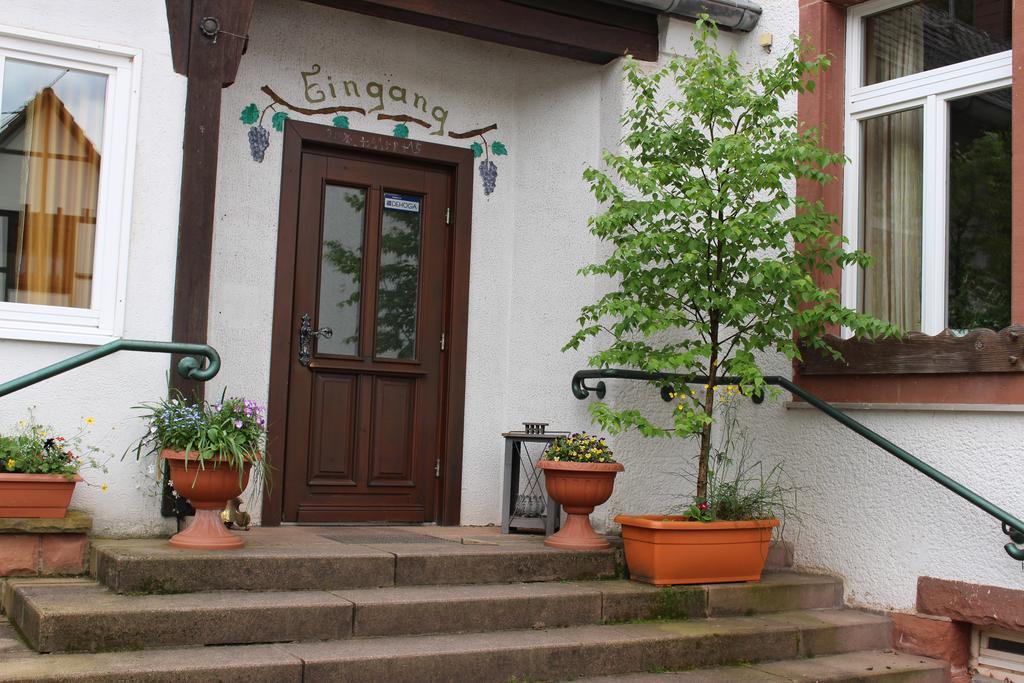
{"x": 364, "y": 435}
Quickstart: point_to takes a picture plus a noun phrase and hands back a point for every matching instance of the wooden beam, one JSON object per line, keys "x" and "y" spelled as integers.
{"x": 976, "y": 352}
{"x": 212, "y": 63}
{"x": 559, "y": 28}
{"x": 179, "y": 20}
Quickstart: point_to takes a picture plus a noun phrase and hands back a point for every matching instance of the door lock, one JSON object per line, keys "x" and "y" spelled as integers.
{"x": 306, "y": 336}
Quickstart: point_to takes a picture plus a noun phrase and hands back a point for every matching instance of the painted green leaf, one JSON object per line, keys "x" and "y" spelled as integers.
{"x": 401, "y": 131}
{"x": 250, "y": 114}
{"x": 498, "y": 149}
{"x": 278, "y": 121}
{"x": 340, "y": 121}
{"x": 477, "y": 148}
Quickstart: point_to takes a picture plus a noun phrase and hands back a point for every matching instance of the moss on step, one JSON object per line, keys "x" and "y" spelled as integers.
{"x": 678, "y": 603}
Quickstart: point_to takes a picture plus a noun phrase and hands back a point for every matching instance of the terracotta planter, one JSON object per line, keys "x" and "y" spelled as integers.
{"x": 668, "y": 550}
{"x": 579, "y": 487}
{"x": 208, "y": 489}
{"x": 46, "y": 496}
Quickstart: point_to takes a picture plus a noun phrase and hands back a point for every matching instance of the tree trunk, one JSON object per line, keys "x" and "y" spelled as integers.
{"x": 705, "y": 444}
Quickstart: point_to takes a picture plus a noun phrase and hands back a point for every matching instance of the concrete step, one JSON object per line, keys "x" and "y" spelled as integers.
{"x": 877, "y": 666}
{"x": 498, "y": 657}
{"x": 152, "y": 566}
{"x": 74, "y": 615}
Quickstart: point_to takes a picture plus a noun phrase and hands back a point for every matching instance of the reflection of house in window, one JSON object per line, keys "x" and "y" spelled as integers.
{"x": 49, "y": 177}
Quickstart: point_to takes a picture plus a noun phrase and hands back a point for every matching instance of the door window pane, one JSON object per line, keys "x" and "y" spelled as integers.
{"x": 891, "y": 210}
{"x": 979, "y": 211}
{"x": 51, "y": 129}
{"x": 399, "y": 276}
{"x": 930, "y": 34}
{"x": 341, "y": 269}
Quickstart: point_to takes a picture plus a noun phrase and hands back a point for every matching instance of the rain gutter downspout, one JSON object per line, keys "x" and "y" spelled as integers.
{"x": 736, "y": 15}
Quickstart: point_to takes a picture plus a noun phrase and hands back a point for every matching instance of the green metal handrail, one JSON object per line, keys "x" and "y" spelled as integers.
{"x": 1011, "y": 526}
{"x": 189, "y": 367}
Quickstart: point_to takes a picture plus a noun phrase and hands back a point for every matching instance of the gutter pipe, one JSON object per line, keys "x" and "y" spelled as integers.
{"x": 736, "y": 15}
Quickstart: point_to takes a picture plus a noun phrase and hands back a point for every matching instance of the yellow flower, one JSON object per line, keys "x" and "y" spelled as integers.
{"x": 10, "y": 463}
{"x": 89, "y": 421}
{"x": 103, "y": 488}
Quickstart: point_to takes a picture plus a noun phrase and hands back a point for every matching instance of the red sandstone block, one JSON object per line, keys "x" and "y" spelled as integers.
{"x": 64, "y": 553}
{"x": 934, "y": 637}
{"x": 18, "y": 554}
{"x": 971, "y": 602}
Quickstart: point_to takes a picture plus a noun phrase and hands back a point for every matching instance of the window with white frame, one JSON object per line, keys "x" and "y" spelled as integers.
{"x": 927, "y": 190}
{"x": 67, "y": 127}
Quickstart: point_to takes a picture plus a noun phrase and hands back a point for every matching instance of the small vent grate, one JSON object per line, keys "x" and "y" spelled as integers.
{"x": 998, "y": 654}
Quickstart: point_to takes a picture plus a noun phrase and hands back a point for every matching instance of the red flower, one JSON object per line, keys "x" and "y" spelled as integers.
{"x": 703, "y": 507}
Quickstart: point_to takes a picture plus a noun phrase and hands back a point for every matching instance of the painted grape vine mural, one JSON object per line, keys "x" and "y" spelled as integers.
{"x": 260, "y": 137}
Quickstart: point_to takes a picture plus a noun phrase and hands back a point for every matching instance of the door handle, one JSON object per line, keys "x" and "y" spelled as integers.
{"x": 306, "y": 336}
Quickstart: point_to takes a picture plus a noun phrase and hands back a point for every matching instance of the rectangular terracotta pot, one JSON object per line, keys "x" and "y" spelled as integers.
{"x": 668, "y": 550}
{"x": 45, "y": 496}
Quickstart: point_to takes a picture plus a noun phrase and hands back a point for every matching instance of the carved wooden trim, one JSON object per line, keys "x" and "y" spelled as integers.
{"x": 916, "y": 353}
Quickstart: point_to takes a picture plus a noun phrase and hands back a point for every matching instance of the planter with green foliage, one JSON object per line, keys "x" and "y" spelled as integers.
{"x": 713, "y": 260}
{"x": 211, "y": 449}
{"x": 39, "y": 470}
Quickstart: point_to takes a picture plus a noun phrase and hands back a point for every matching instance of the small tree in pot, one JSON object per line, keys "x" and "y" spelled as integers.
{"x": 714, "y": 259}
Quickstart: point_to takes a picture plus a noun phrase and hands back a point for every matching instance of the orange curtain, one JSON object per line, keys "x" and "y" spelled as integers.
{"x": 57, "y": 230}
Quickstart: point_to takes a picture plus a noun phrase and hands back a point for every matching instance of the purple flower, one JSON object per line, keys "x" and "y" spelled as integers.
{"x": 238, "y": 424}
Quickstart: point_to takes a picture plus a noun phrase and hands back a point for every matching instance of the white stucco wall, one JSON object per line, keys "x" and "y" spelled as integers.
{"x": 107, "y": 390}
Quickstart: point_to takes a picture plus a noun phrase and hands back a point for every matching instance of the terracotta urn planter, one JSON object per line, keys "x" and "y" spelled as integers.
{"x": 668, "y": 550}
{"x": 208, "y": 489}
{"x": 579, "y": 487}
{"x": 45, "y": 496}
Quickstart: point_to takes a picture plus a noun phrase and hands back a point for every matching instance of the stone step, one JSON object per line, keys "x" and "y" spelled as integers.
{"x": 498, "y": 657}
{"x": 878, "y": 666}
{"x": 152, "y": 566}
{"x": 68, "y": 616}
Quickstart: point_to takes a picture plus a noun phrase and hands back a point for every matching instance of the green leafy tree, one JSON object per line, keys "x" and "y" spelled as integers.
{"x": 704, "y": 230}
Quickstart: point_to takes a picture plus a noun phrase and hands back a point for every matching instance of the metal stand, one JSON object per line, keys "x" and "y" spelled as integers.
{"x": 525, "y": 503}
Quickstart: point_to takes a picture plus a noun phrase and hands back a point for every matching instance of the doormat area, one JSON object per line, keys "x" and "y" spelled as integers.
{"x": 358, "y": 536}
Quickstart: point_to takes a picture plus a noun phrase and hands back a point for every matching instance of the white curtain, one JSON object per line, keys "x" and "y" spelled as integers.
{"x": 892, "y": 179}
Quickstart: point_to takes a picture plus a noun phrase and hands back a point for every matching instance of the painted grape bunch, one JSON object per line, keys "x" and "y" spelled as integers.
{"x": 259, "y": 137}
{"x": 259, "y": 140}
{"x": 488, "y": 169}
{"x": 489, "y": 174}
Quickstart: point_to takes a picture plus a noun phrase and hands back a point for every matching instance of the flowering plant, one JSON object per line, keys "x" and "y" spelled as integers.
{"x": 233, "y": 431}
{"x": 579, "y": 447}
{"x": 33, "y": 448}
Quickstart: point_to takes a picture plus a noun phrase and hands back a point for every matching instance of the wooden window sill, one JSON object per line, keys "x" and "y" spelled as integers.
{"x": 917, "y": 407}
{"x": 978, "y": 351}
